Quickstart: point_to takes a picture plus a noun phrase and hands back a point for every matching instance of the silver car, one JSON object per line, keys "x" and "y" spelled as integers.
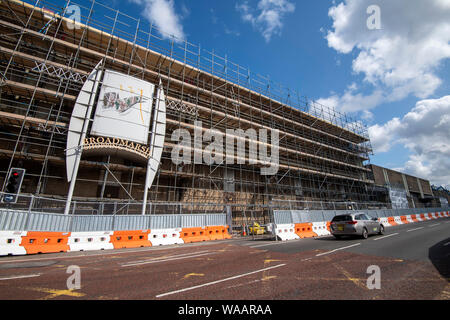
{"x": 359, "y": 224}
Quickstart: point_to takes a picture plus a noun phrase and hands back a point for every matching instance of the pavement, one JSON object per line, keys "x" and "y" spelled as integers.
{"x": 408, "y": 262}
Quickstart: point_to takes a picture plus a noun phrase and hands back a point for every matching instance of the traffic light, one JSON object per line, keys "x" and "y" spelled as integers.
{"x": 13, "y": 185}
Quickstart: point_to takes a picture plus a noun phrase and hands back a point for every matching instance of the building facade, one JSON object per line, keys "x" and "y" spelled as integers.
{"x": 47, "y": 57}
{"x": 402, "y": 190}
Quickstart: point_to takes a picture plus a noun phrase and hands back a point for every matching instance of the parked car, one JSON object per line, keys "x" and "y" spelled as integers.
{"x": 355, "y": 224}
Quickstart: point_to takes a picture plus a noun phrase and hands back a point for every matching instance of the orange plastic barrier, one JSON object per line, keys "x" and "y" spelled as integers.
{"x": 130, "y": 239}
{"x": 414, "y": 218}
{"x": 194, "y": 234}
{"x": 392, "y": 221}
{"x": 329, "y": 226}
{"x": 422, "y": 215}
{"x": 225, "y": 233}
{"x": 404, "y": 219}
{"x": 430, "y": 216}
{"x": 214, "y": 233}
{"x": 304, "y": 230}
{"x": 45, "y": 242}
{"x": 218, "y": 232}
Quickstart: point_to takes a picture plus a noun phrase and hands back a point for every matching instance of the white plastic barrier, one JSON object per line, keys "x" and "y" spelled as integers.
{"x": 10, "y": 243}
{"x": 409, "y": 219}
{"x": 162, "y": 237}
{"x": 398, "y": 220}
{"x": 384, "y": 221}
{"x": 286, "y": 232}
{"x": 320, "y": 228}
{"x": 92, "y": 240}
{"x": 418, "y": 217}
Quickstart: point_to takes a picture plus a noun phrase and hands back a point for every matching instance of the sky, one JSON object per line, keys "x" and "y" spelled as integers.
{"x": 386, "y": 62}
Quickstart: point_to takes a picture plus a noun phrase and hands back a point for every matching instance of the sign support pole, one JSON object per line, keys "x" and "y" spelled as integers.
{"x": 146, "y": 187}
{"x": 90, "y": 87}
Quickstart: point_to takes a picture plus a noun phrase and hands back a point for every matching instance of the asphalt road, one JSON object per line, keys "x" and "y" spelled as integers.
{"x": 413, "y": 261}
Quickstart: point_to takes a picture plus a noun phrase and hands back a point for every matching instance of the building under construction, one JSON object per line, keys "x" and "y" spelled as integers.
{"x": 45, "y": 58}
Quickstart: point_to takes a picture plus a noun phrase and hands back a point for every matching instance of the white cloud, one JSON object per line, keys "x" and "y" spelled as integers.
{"x": 351, "y": 101}
{"x": 402, "y": 57}
{"x": 162, "y": 14}
{"x": 425, "y": 131}
{"x": 267, "y": 17}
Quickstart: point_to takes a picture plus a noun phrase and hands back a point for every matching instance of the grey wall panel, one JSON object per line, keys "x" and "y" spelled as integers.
{"x": 282, "y": 217}
{"x": 131, "y": 222}
{"x": 82, "y": 223}
{"x": 12, "y": 220}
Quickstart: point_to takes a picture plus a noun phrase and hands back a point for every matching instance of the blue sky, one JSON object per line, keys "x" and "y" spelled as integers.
{"x": 395, "y": 77}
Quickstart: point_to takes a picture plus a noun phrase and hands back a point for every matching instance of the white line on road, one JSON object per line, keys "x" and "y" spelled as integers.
{"x": 414, "y": 229}
{"x": 21, "y": 277}
{"x": 218, "y": 281}
{"x": 165, "y": 260}
{"x": 353, "y": 245}
{"x": 389, "y": 235}
{"x": 168, "y": 257}
{"x": 268, "y": 244}
{"x": 432, "y": 225}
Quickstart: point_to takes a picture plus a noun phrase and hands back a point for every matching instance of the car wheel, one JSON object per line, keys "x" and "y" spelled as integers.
{"x": 364, "y": 233}
{"x": 381, "y": 230}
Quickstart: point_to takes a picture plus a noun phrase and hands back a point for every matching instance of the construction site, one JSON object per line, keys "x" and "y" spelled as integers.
{"x": 46, "y": 57}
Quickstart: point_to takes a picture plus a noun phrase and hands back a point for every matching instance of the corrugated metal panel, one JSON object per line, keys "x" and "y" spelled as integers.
{"x": 131, "y": 222}
{"x": 12, "y": 220}
{"x": 297, "y": 216}
{"x": 18, "y": 220}
{"x": 313, "y": 216}
{"x": 165, "y": 221}
{"x": 218, "y": 219}
{"x": 193, "y": 220}
{"x": 91, "y": 223}
{"x": 48, "y": 222}
{"x": 282, "y": 217}
{"x": 329, "y": 214}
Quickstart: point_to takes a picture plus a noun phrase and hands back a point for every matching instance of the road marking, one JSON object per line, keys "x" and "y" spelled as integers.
{"x": 353, "y": 245}
{"x": 356, "y": 281}
{"x": 433, "y": 225}
{"x": 168, "y": 257}
{"x": 218, "y": 281}
{"x": 21, "y": 277}
{"x": 414, "y": 229}
{"x": 268, "y": 244}
{"x": 193, "y": 275}
{"x": 56, "y": 293}
{"x": 446, "y": 244}
{"x": 165, "y": 260}
{"x": 389, "y": 235}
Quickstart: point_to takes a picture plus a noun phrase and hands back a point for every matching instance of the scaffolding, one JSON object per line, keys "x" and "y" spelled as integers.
{"x": 45, "y": 58}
